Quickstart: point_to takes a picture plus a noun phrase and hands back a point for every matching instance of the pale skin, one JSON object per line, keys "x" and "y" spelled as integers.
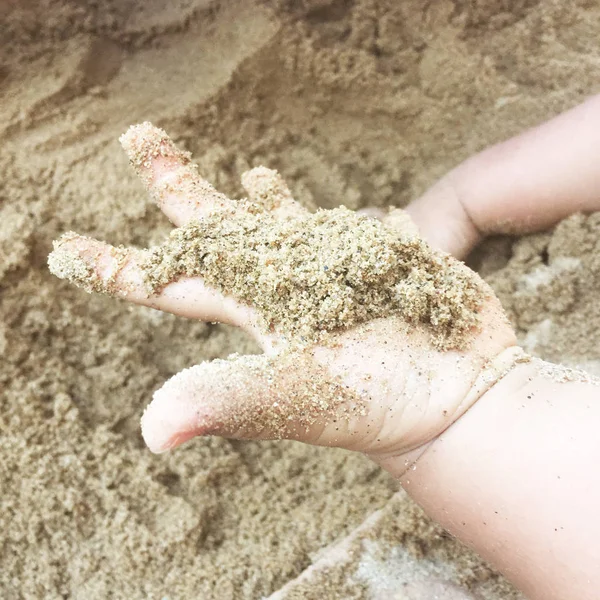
{"x": 509, "y": 466}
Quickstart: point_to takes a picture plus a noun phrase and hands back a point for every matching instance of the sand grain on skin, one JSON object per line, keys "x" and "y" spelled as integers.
{"x": 259, "y": 397}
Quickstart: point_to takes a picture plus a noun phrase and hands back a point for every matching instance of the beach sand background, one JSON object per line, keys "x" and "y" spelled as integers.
{"x": 359, "y": 103}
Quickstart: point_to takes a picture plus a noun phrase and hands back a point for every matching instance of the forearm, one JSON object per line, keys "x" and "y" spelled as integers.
{"x": 527, "y": 183}
{"x": 517, "y": 479}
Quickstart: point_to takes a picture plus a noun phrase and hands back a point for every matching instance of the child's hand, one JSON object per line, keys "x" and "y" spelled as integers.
{"x": 515, "y": 477}
{"x": 381, "y": 387}
{"x": 525, "y": 184}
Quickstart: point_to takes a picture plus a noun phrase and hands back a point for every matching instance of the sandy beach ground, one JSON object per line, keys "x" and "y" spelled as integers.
{"x": 358, "y": 103}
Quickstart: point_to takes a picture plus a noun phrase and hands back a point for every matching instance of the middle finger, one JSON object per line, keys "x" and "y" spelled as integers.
{"x": 170, "y": 176}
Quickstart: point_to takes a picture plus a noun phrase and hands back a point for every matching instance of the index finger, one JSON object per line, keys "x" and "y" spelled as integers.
{"x": 170, "y": 176}
{"x": 96, "y": 266}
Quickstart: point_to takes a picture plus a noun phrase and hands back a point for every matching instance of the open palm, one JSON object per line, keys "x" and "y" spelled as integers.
{"x": 381, "y": 387}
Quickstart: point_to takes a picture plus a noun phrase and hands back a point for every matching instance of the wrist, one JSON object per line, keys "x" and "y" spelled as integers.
{"x": 516, "y": 477}
{"x": 504, "y": 374}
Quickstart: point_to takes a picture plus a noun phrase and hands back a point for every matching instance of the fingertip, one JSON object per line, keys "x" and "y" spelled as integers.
{"x": 67, "y": 260}
{"x": 170, "y": 419}
{"x": 263, "y": 183}
{"x": 157, "y": 439}
{"x": 96, "y": 266}
{"x": 142, "y": 140}
{"x": 145, "y": 144}
{"x": 267, "y": 188}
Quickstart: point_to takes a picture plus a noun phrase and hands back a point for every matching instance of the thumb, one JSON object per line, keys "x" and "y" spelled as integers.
{"x": 253, "y": 397}
{"x": 443, "y": 219}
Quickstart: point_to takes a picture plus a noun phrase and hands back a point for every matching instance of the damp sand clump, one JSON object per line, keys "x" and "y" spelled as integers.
{"x": 321, "y": 272}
